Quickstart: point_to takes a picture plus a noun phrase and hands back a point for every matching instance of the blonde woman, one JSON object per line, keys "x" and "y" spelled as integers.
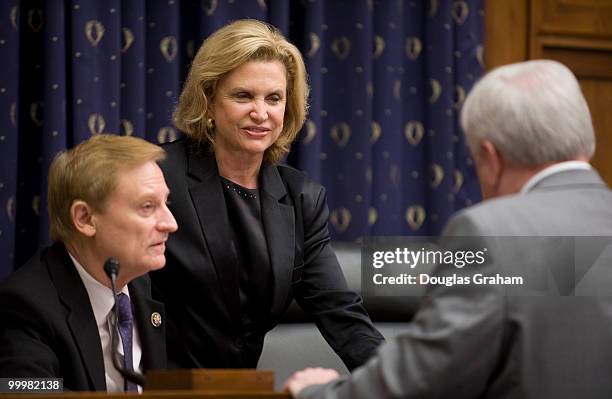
{"x": 252, "y": 234}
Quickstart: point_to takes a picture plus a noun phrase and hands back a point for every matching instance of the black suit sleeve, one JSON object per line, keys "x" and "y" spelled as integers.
{"x": 323, "y": 292}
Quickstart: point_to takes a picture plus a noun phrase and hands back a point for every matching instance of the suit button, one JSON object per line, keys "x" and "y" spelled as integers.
{"x": 239, "y": 342}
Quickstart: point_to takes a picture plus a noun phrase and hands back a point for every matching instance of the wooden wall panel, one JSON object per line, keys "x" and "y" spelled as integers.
{"x": 598, "y": 94}
{"x": 591, "y": 18}
{"x": 504, "y": 43}
{"x": 585, "y": 63}
{"x": 577, "y": 33}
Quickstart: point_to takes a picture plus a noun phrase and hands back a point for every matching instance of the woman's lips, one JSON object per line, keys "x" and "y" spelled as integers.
{"x": 256, "y": 131}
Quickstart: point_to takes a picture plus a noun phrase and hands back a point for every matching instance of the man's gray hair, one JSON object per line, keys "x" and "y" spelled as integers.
{"x": 533, "y": 112}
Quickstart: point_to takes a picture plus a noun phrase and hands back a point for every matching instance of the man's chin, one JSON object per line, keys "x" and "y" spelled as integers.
{"x": 157, "y": 263}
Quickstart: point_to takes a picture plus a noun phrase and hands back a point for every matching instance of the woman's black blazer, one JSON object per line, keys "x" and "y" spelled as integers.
{"x": 199, "y": 282}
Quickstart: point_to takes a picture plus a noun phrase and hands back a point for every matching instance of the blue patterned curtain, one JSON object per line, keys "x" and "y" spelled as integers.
{"x": 388, "y": 78}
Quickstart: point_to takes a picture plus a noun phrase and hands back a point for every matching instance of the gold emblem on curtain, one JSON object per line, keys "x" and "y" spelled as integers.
{"x": 376, "y": 131}
{"x": 459, "y": 97}
{"x": 414, "y": 132}
{"x": 10, "y": 202}
{"x": 458, "y": 181}
{"x": 35, "y": 20}
{"x": 315, "y": 43}
{"x": 460, "y": 11}
{"x": 372, "y": 216}
{"x": 436, "y": 175}
{"x": 340, "y": 218}
{"x": 397, "y": 90}
{"x": 13, "y": 17}
{"x": 13, "y": 114}
{"x": 433, "y": 7}
{"x": 311, "y": 132}
{"x": 413, "y": 47}
{"x": 415, "y": 216}
{"x": 128, "y": 39}
{"x": 96, "y": 124}
{"x": 341, "y": 134}
{"x": 36, "y": 205}
{"x": 166, "y": 134}
{"x": 190, "y": 49}
{"x": 210, "y": 10}
{"x": 379, "y": 46}
{"x": 94, "y": 31}
{"x": 36, "y": 113}
{"x": 436, "y": 90}
{"x": 127, "y": 127}
{"x": 480, "y": 55}
{"x": 168, "y": 48}
{"x": 341, "y": 47}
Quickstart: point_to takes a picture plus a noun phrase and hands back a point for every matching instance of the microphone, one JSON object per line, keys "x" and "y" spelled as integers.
{"x": 111, "y": 268}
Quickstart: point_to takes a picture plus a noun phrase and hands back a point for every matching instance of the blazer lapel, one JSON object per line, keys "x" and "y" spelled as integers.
{"x": 80, "y": 317}
{"x": 279, "y": 227}
{"x": 150, "y": 319}
{"x": 209, "y": 201}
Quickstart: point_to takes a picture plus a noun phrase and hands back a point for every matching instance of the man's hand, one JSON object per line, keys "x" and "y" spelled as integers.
{"x": 310, "y": 376}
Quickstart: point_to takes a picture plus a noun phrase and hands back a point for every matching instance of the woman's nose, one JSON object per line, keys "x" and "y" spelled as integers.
{"x": 259, "y": 112}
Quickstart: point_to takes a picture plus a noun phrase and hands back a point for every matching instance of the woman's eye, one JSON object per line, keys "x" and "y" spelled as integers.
{"x": 243, "y": 96}
{"x": 274, "y": 99}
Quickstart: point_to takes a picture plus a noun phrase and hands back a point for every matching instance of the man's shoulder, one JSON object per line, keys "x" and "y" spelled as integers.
{"x": 491, "y": 210}
{"x": 33, "y": 272}
{"x": 32, "y": 283}
{"x": 496, "y": 205}
{"x": 537, "y": 213}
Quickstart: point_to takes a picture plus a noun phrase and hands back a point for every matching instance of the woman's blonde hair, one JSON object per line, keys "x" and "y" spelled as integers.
{"x": 222, "y": 52}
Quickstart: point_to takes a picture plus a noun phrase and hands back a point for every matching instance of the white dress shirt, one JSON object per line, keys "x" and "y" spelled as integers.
{"x": 551, "y": 170}
{"x": 102, "y": 302}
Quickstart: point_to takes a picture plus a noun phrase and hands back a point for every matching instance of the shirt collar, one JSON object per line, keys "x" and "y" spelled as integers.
{"x": 100, "y": 296}
{"x": 554, "y": 169}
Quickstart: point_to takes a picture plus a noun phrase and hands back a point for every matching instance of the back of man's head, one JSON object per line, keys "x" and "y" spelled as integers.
{"x": 88, "y": 172}
{"x": 533, "y": 112}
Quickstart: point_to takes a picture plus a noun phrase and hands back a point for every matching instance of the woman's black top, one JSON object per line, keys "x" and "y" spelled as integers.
{"x": 249, "y": 242}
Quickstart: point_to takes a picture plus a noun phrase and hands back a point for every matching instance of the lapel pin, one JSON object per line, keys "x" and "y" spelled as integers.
{"x": 156, "y": 319}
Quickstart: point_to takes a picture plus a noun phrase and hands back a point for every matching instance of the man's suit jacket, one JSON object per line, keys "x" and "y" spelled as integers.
{"x": 481, "y": 342}
{"x": 199, "y": 284}
{"x": 48, "y": 328}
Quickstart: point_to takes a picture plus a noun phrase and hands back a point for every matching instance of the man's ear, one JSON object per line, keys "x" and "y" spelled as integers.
{"x": 492, "y": 159}
{"x": 83, "y": 218}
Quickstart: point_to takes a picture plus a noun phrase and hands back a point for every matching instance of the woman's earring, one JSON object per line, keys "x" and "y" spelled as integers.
{"x": 210, "y": 123}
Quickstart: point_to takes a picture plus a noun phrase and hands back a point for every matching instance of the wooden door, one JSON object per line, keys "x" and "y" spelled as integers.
{"x": 577, "y": 33}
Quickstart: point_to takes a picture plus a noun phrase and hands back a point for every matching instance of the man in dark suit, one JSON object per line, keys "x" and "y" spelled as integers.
{"x": 107, "y": 198}
{"x": 530, "y": 132}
